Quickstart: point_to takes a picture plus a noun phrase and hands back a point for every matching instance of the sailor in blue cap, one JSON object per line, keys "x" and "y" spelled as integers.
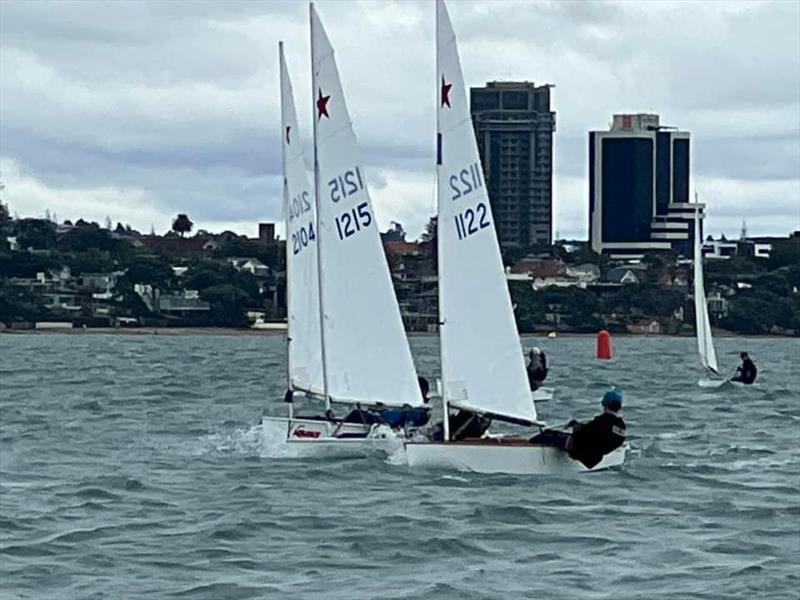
{"x": 590, "y": 442}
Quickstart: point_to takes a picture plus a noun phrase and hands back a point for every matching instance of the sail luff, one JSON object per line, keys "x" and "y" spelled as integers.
{"x": 705, "y": 341}
{"x": 320, "y": 284}
{"x": 367, "y": 356}
{"x": 303, "y": 333}
{"x": 439, "y": 286}
{"x": 482, "y": 363}
{"x": 284, "y": 117}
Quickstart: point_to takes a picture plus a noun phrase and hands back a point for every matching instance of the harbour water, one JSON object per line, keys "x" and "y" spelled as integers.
{"x": 132, "y": 467}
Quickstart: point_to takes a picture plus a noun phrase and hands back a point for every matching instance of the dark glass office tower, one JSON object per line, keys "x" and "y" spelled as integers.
{"x": 639, "y": 188}
{"x": 514, "y": 129}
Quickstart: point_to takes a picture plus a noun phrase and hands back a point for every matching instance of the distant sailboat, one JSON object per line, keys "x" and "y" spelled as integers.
{"x": 483, "y": 370}
{"x": 705, "y": 341}
{"x": 347, "y": 344}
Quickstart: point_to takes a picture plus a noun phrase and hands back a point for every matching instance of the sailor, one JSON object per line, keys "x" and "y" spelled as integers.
{"x": 747, "y": 371}
{"x": 589, "y": 442}
{"x": 408, "y": 416}
{"x": 464, "y": 424}
{"x": 360, "y": 415}
{"x": 537, "y": 368}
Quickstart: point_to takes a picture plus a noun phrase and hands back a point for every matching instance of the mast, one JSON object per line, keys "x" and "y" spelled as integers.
{"x": 286, "y": 225}
{"x": 317, "y": 220}
{"x": 439, "y": 253}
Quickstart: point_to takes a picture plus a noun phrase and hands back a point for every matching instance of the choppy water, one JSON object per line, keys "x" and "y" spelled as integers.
{"x": 130, "y": 468}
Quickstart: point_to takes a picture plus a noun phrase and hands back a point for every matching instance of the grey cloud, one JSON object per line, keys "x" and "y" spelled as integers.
{"x": 180, "y": 98}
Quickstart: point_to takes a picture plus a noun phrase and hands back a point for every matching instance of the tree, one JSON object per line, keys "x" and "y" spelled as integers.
{"x": 228, "y": 304}
{"x": 429, "y": 235}
{"x": 39, "y": 234}
{"x": 150, "y": 271}
{"x": 428, "y": 240}
{"x": 182, "y": 224}
{"x": 785, "y": 253}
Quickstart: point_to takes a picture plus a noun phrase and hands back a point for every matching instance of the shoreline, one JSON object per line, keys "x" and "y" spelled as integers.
{"x": 167, "y": 331}
{"x": 233, "y": 331}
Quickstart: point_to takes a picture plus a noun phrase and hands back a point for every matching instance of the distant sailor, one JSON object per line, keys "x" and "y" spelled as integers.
{"x": 408, "y": 416}
{"x": 537, "y": 368}
{"x": 747, "y": 371}
{"x": 590, "y": 442}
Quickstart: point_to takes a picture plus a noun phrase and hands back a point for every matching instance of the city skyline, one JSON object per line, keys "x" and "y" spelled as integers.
{"x": 140, "y": 111}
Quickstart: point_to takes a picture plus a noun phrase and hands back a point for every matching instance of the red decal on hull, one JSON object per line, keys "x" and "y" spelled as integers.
{"x": 305, "y": 433}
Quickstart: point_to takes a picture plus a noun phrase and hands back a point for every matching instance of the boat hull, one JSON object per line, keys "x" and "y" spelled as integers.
{"x": 350, "y": 439}
{"x": 502, "y": 456}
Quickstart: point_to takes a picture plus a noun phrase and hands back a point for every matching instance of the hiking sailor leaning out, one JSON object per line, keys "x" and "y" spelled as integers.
{"x": 590, "y": 442}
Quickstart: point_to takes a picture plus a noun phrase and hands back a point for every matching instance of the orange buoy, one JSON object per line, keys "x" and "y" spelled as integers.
{"x": 603, "y": 345}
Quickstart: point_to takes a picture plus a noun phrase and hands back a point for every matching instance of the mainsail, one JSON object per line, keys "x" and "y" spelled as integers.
{"x": 305, "y": 353}
{"x": 483, "y": 368}
{"x": 705, "y": 343}
{"x": 365, "y": 349}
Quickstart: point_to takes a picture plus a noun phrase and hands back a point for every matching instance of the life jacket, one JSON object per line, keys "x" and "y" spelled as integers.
{"x": 401, "y": 417}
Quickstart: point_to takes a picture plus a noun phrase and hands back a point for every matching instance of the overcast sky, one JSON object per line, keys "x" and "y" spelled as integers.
{"x": 140, "y": 110}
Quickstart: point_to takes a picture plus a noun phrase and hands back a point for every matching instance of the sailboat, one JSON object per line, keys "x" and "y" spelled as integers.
{"x": 483, "y": 370}
{"x": 705, "y": 341}
{"x": 347, "y": 344}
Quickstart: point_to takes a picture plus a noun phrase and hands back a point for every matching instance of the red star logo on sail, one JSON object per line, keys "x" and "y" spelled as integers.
{"x": 446, "y": 92}
{"x": 322, "y": 105}
{"x": 288, "y": 127}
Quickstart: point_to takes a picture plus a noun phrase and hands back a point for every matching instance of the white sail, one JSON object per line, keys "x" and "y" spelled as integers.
{"x": 305, "y": 354}
{"x": 705, "y": 343}
{"x": 366, "y": 352}
{"x": 483, "y": 368}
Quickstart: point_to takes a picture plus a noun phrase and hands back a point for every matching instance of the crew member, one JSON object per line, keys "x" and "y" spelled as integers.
{"x": 464, "y": 424}
{"x": 590, "y": 442}
{"x": 537, "y": 368}
{"x": 408, "y": 416}
{"x": 747, "y": 371}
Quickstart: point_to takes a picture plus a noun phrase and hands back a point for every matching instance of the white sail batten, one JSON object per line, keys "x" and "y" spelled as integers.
{"x": 305, "y": 355}
{"x": 705, "y": 343}
{"x": 367, "y": 356}
{"x": 483, "y": 368}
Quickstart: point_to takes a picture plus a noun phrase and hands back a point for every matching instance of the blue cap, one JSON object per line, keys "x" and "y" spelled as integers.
{"x": 613, "y": 399}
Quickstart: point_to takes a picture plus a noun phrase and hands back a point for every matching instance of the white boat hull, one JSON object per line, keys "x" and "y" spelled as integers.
{"x": 331, "y": 437}
{"x": 482, "y": 456}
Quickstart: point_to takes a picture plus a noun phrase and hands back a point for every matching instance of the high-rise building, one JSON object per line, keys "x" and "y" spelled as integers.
{"x": 639, "y": 188}
{"x": 514, "y": 128}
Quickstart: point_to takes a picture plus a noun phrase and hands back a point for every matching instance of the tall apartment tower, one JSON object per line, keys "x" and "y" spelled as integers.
{"x": 514, "y": 128}
{"x": 639, "y": 188}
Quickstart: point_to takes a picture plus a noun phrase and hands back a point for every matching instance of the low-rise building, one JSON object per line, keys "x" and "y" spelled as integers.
{"x": 250, "y": 265}
{"x": 646, "y": 326}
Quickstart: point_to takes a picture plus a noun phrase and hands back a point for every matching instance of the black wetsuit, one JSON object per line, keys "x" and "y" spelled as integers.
{"x": 358, "y": 415}
{"x": 464, "y": 424}
{"x": 593, "y": 440}
{"x": 747, "y": 372}
{"x": 537, "y": 371}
